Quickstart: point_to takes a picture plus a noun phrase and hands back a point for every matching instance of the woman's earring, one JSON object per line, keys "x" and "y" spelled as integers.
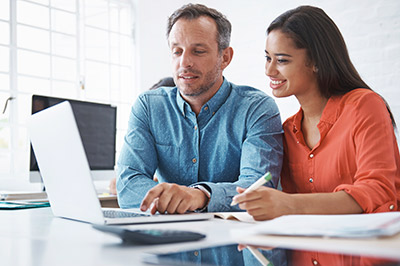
{"x": 315, "y": 69}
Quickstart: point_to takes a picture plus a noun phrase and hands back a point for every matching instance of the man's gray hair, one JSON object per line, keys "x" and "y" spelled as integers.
{"x": 194, "y": 11}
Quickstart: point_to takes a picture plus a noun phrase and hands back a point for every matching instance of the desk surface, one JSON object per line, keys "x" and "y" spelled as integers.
{"x": 35, "y": 237}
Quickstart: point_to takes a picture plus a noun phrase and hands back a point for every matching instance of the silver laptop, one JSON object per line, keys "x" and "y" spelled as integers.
{"x": 66, "y": 174}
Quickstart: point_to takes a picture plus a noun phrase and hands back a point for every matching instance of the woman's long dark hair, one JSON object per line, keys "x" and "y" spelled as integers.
{"x": 312, "y": 29}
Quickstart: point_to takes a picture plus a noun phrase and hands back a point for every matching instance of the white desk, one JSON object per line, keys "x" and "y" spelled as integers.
{"x": 35, "y": 237}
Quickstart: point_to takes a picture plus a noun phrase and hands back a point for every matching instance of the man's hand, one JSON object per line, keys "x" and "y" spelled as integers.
{"x": 112, "y": 187}
{"x": 173, "y": 198}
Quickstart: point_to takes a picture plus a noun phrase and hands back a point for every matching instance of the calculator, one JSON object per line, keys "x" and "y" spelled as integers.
{"x": 150, "y": 236}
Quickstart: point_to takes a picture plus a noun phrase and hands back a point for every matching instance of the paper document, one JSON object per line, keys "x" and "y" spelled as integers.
{"x": 348, "y": 225}
{"x": 236, "y": 216}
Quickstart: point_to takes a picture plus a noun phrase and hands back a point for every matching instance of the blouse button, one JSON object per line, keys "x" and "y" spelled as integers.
{"x": 194, "y": 160}
{"x": 196, "y": 253}
{"x": 311, "y": 155}
{"x": 315, "y": 262}
{"x": 206, "y": 108}
{"x": 391, "y": 207}
{"x": 195, "y": 127}
{"x": 311, "y": 180}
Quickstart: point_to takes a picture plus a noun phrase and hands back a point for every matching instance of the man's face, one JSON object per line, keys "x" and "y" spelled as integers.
{"x": 197, "y": 64}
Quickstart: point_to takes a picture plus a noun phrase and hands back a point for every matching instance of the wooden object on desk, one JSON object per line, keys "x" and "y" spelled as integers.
{"x": 108, "y": 200}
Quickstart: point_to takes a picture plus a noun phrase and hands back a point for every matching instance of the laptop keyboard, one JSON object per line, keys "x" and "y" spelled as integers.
{"x": 122, "y": 214}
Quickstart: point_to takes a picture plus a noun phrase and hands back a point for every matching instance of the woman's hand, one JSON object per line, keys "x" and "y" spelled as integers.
{"x": 265, "y": 203}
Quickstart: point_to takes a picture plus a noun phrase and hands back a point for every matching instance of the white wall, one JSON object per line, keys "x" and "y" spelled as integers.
{"x": 371, "y": 29}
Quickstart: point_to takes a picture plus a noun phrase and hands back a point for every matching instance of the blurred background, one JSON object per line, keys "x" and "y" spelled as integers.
{"x": 109, "y": 51}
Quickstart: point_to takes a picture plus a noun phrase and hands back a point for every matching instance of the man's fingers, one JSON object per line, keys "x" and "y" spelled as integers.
{"x": 153, "y": 206}
{"x": 171, "y": 198}
{"x": 151, "y": 195}
{"x": 174, "y": 204}
{"x": 166, "y": 198}
{"x": 183, "y": 207}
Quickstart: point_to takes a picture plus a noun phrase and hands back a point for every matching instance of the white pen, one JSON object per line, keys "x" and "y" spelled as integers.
{"x": 261, "y": 181}
{"x": 259, "y": 256}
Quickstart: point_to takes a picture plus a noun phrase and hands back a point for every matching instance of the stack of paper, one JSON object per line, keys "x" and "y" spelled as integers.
{"x": 13, "y": 205}
{"x": 350, "y": 225}
{"x": 235, "y": 216}
{"x": 22, "y": 195}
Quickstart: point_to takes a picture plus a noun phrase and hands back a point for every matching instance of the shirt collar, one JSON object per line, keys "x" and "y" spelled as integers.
{"x": 212, "y": 105}
{"x": 219, "y": 98}
{"x": 329, "y": 115}
{"x": 181, "y": 102}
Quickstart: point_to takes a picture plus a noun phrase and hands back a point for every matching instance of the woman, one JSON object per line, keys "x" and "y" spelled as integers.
{"x": 341, "y": 154}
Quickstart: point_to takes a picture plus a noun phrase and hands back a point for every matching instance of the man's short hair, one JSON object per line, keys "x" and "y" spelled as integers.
{"x": 194, "y": 11}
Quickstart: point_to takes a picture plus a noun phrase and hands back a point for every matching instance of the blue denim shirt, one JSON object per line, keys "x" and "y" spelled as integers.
{"x": 235, "y": 139}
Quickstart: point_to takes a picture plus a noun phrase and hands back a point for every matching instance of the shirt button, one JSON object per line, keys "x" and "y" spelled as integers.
{"x": 194, "y": 160}
{"x": 311, "y": 180}
{"x": 391, "y": 207}
{"x": 195, "y": 127}
{"x": 196, "y": 253}
{"x": 213, "y": 113}
{"x": 315, "y": 262}
{"x": 311, "y": 155}
{"x": 206, "y": 108}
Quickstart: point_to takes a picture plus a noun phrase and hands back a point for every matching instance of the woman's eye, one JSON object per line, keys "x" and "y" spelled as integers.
{"x": 282, "y": 61}
{"x": 268, "y": 58}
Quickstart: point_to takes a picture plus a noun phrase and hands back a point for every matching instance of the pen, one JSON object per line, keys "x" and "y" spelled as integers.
{"x": 259, "y": 256}
{"x": 261, "y": 181}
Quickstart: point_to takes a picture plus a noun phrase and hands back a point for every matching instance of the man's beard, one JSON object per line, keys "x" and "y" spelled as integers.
{"x": 210, "y": 80}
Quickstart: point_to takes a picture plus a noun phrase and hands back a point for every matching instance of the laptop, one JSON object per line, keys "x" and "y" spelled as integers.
{"x": 66, "y": 173}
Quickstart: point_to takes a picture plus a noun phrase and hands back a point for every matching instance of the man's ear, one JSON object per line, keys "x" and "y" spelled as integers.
{"x": 227, "y": 55}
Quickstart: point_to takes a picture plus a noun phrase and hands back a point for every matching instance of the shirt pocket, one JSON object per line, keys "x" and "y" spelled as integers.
{"x": 169, "y": 165}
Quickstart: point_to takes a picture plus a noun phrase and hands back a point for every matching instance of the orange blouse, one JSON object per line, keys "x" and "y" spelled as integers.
{"x": 357, "y": 153}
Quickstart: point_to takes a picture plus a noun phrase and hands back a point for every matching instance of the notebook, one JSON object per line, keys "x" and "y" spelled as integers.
{"x": 66, "y": 174}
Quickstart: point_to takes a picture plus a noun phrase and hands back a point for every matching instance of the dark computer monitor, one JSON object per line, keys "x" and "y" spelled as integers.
{"x": 97, "y": 127}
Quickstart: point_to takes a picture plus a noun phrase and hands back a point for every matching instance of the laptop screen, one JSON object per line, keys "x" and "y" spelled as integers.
{"x": 97, "y": 127}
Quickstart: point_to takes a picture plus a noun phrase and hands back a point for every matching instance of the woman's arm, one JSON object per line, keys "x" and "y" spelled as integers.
{"x": 268, "y": 203}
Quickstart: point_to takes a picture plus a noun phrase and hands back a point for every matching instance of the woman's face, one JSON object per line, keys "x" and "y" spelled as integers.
{"x": 288, "y": 67}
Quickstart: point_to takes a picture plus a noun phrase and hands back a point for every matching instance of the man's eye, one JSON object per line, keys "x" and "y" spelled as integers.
{"x": 199, "y": 52}
{"x": 268, "y": 58}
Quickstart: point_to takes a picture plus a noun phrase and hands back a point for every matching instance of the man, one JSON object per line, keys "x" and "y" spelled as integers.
{"x": 204, "y": 137}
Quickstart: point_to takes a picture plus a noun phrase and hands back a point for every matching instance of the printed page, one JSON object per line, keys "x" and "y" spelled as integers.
{"x": 236, "y": 216}
{"x": 350, "y": 225}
